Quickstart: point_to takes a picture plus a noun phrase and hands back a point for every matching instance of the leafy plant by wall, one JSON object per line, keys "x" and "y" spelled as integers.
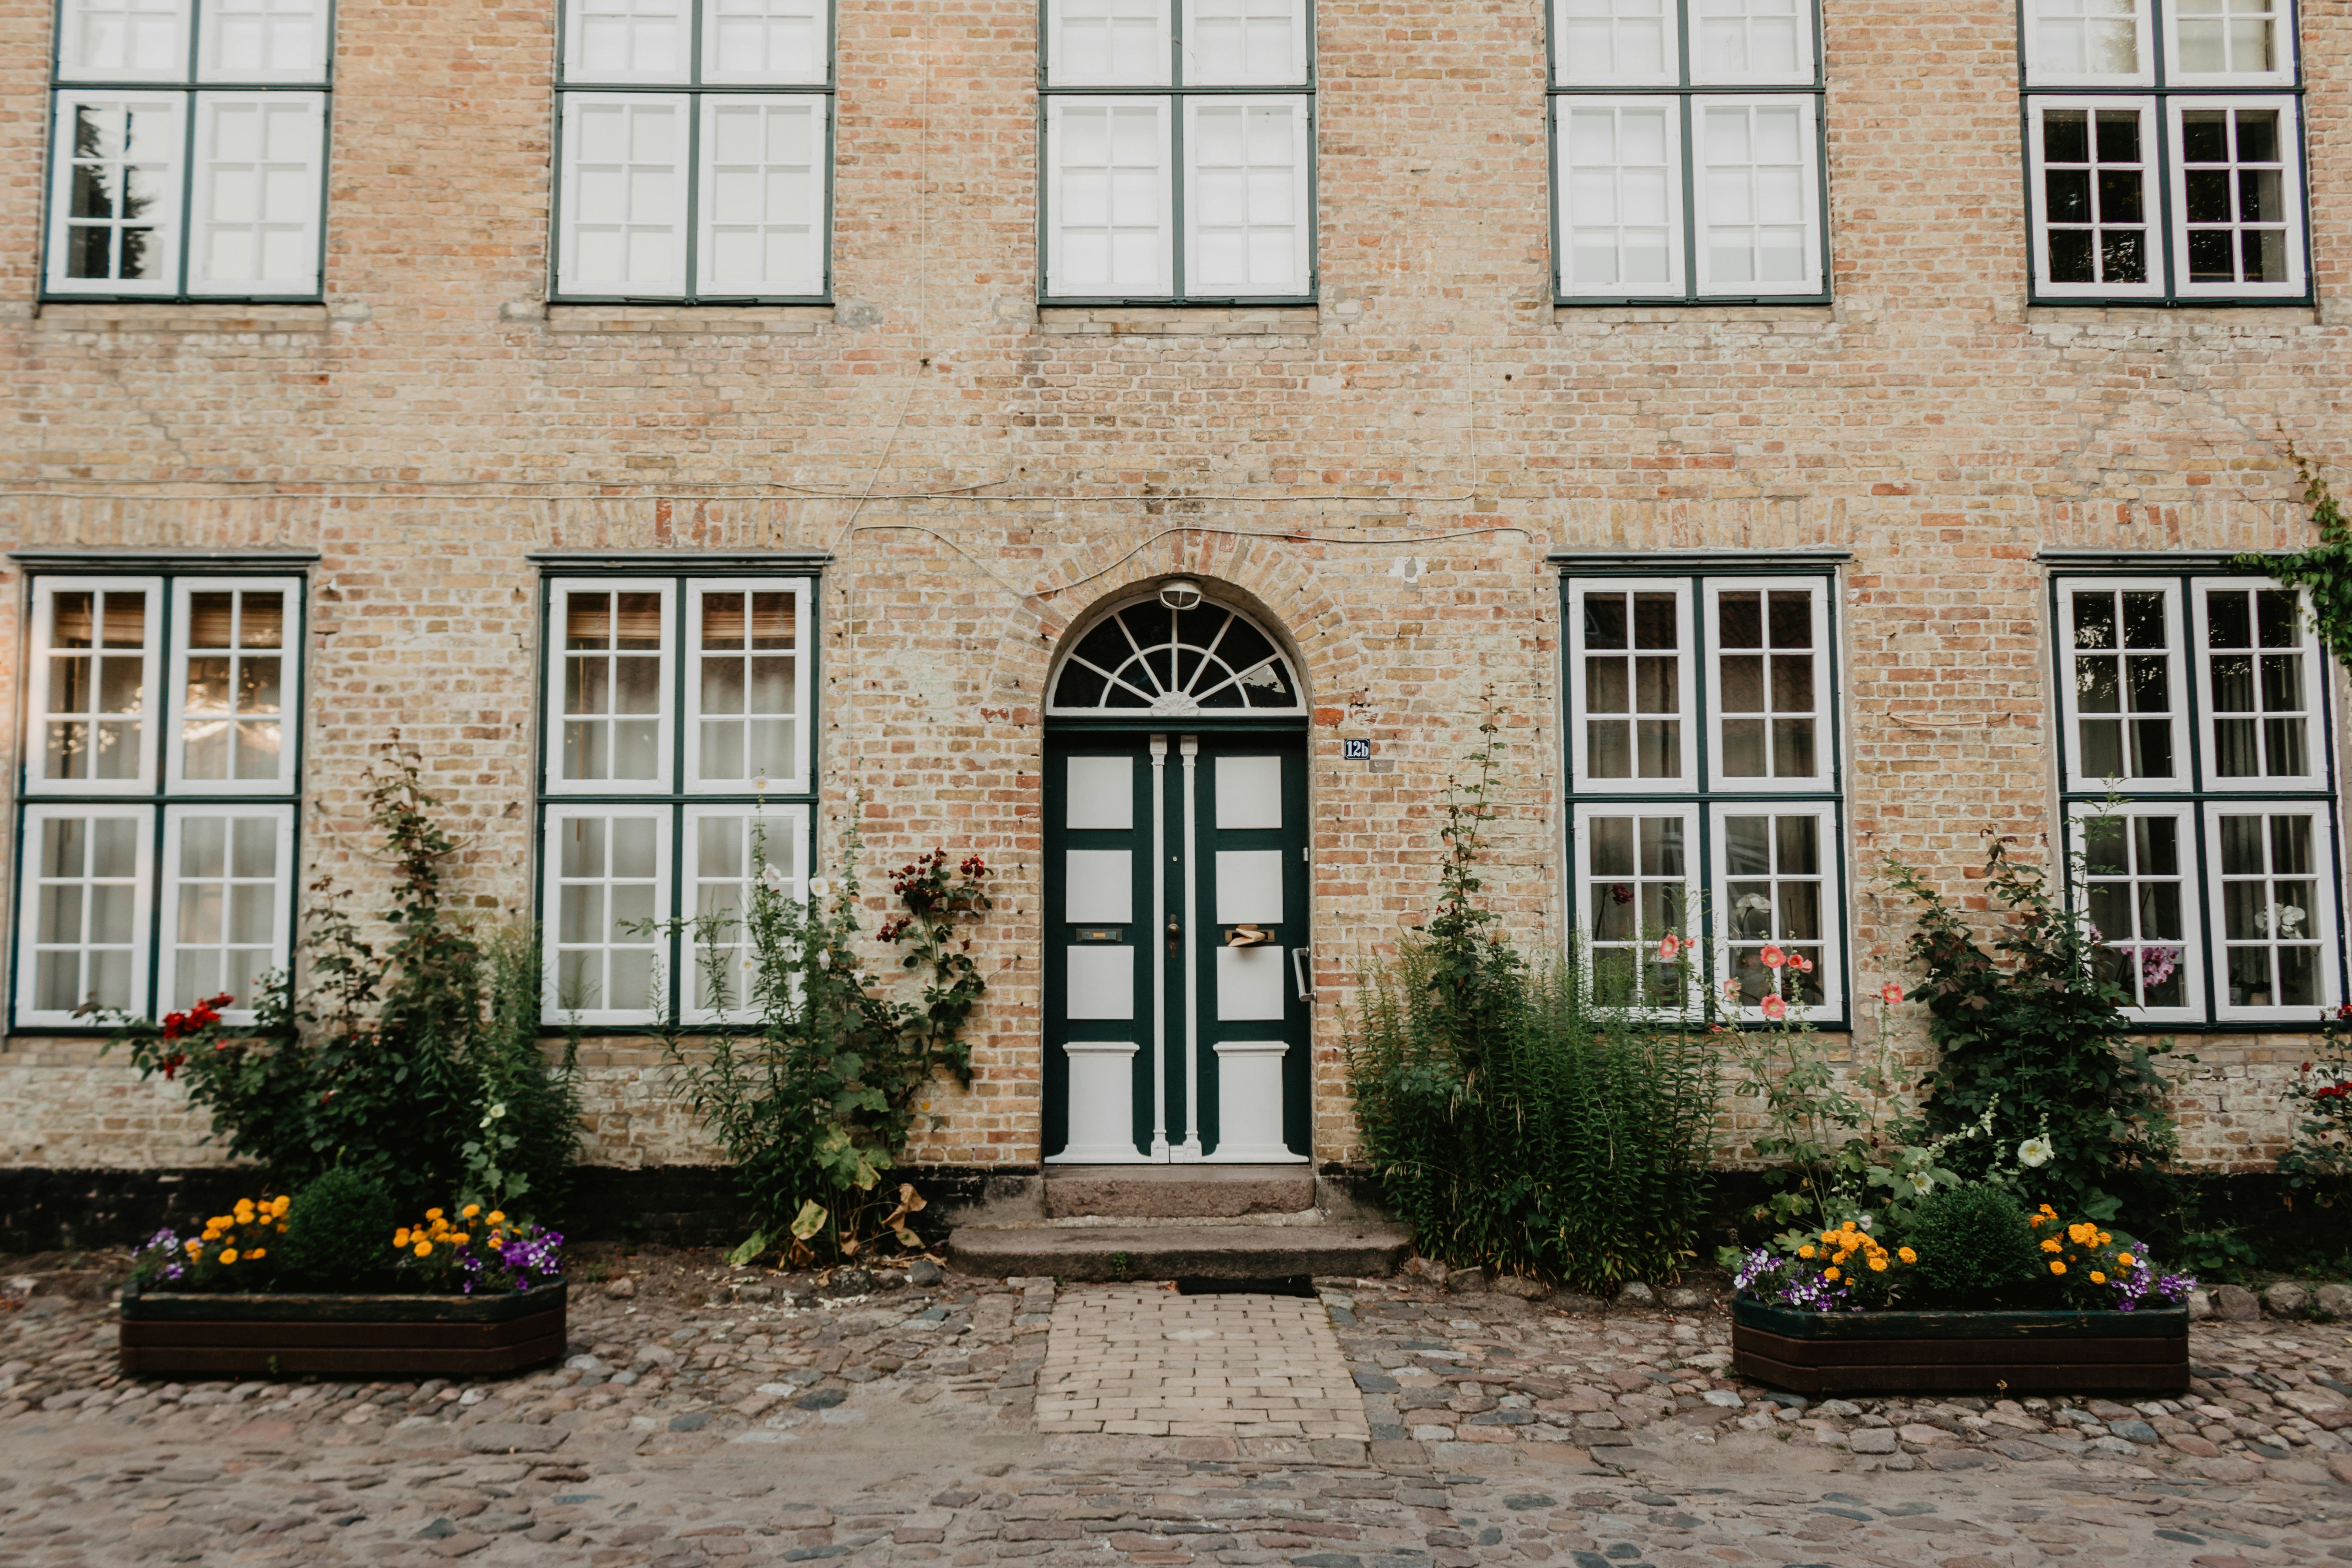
{"x": 418, "y": 1067}
{"x": 1513, "y": 1121}
{"x": 2324, "y": 569}
{"x": 815, "y": 1098}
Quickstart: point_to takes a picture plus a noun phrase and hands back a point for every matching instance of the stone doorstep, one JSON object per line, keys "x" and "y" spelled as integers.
{"x": 1111, "y": 1253}
{"x": 1177, "y": 1191}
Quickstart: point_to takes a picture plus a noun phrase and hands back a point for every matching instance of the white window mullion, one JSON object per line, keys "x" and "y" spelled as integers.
{"x": 1246, "y": 199}
{"x": 624, "y": 194}
{"x": 1776, "y": 884}
{"x": 258, "y": 190}
{"x": 609, "y": 683}
{"x": 2237, "y": 196}
{"x": 2092, "y": 178}
{"x": 2232, "y": 42}
{"x": 122, "y": 40}
{"x": 2121, "y": 690}
{"x": 2088, "y": 43}
{"x": 1636, "y": 883}
{"x": 263, "y": 41}
{"x": 1616, "y": 43}
{"x": 2140, "y": 879}
{"x": 1621, "y": 196}
{"x": 1108, "y": 224}
{"x": 761, "y": 216}
{"x": 2272, "y": 875}
{"x": 1755, "y": 171}
{"x": 83, "y": 907}
{"x": 627, "y": 42}
{"x": 237, "y": 645}
{"x": 1769, "y": 693}
{"x": 2262, "y": 679}
{"x": 727, "y": 847}
{"x": 228, "y": 899}
{"x": 114, "y": 196}
{"x": 95, "y": 668}
{"x": 781, "y": 42}
{"x": 1245, "y": 43}
{"x": 1107, "y": 43}
{"x": 1752, "y": 43}
{"x": 1631, "y": 669}
{"x": 747, "y": 686}
{"x": 606, "y": 905}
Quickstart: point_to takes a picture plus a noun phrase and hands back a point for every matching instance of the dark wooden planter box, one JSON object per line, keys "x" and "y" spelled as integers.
{"x": 197, "y": 1334}
{"x": 2140, "y": 1352}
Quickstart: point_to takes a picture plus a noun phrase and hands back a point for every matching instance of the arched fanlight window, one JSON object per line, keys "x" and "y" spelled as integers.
{"x": 1145, "y": 658}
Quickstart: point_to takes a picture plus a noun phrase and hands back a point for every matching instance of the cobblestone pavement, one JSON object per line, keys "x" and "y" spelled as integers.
{"x": 705, "y": 1423}
{"x": 1146, "y": 1361}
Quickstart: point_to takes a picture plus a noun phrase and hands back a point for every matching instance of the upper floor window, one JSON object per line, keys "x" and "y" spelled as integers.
{"x": 695, "y": 149}
{"x": 157, "y": 861}
{"x": 188, "y": 149}
{"x": 1687, "y": 150}
{"x": 1179, "y": 150}
{"x": 1703, "y": 749}
{"x": 2164, "y": 140}
{"x": 678, "y": 768}
{"x": 2196, "y": 770}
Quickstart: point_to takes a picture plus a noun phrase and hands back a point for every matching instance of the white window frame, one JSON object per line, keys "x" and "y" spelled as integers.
{"x": 1694, "y": 873}
{"x": 200, "y": 214}
{"x": 716, "y": 73}
{"x": 290, "y": 688}
{"x": 1686, "y": 659}
{"x": 1830, "y": 969}
{"x": 1824, "y": 775}
{"x": 2285, "y": 18}
{"x": 1056, "y": 268}
{"x": 2315, "y": 686}
{"x": 1801, "y": 75}
{"x": 36, "y": 693}
{"x": 1301, "y": 203}
{"x": 2193, "y": 895}
{"x": 2039, "y": 75}
{"x": 784, "y": 824}
{"x": 2291, "y": 194}
{"x": 70, "y": 69}
{"x": 559, "y": 590}
{"x": 1057, "y": 70}
{"x": 2151, "y": 222}
{"x": 314, "y": 68}
{"x": 2177, "y": 675}
{"x": 798, "y": 782}
{"x": 1669, "y": 73}
{"x": 810, "y": 278}
{"x": 2326, "y": 874}
{"x": 1809, "y": 177}
{"x": 1674, "y": 286}
{"x": 1298, "y": 51}
{"x": 282, "y": 909}
{"x": 171, "y": 232}
{"x": 568, "y": 278}
{"x": 551, "y": 893}
{"x": 576, "y": 61}
{"x": 142, "y": 956}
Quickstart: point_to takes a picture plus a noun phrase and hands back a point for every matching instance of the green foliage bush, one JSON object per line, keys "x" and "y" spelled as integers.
{"x": 419, "y": 1066}
{"x": 816, "y": 1100}
{"x": 339, "y": 1233}
{"x": 1975, "y": 1245}
{"x": 1512, "y": 1120}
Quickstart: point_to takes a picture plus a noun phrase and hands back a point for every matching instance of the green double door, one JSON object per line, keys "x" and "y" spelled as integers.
{"x": 1177, "y": 975}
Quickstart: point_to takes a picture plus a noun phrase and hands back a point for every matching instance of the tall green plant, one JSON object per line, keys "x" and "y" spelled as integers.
{"x": 2325, "y": 569}
{"x": 418, "y": 1065}
{"x": 1513, "y": 1121}
{"x": 2032, "y": 1043}
{"x": 816, "y": 1098}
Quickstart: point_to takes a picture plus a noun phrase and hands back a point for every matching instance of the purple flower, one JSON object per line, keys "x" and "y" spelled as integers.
{"x": 2157, "y": 964}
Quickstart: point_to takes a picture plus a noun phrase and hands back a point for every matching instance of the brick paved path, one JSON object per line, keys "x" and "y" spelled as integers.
{"x": 1146, "y": 1362}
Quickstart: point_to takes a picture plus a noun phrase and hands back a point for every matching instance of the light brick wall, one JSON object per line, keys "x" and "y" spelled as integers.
{"x": 436, "y": 421}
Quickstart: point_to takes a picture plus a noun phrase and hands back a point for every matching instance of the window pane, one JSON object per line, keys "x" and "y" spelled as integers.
{"x": 1243, "y": 41}
{"x": 1750, "y": 41}
{"x": 1245, "y": 213}
{"x": 1109, "y": 42}
{"x": 1110, "y": 178}
{"x": 764, "y": 40}
{"x": 2094, "y": 195}
{"x": 1617, "y": 40}
{"x": 1620, "y": 186}
{"x": 1753, "y": 175}
{"x": 2085, "y": 37}
{"x": 83, "y": 893}
{"x": 123, "y": 176}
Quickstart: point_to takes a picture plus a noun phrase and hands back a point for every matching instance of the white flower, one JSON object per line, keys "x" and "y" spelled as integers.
{"x": 2035, "y": 1152}
{"x": 1863, "y": 1222}
{"x": 1923, "y": 1186}
{"x": 820, "y": 886}
{"x": 774, "y": 875}
{"x": 1756, "y": 902}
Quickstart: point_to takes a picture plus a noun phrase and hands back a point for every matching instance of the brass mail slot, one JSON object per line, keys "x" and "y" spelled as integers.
{"x": 1102, "y": 933}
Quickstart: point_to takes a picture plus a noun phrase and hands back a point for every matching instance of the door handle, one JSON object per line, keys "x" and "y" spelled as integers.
{"x": 1299, "y": 957}
{"x": 1175, "y": 934}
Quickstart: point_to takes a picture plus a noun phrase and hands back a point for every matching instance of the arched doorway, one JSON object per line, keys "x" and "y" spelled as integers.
{"x": 1177, "y": 1013}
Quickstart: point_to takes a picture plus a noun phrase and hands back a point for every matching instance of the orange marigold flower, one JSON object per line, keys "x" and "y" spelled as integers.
{"x": 2056, "y": 1267}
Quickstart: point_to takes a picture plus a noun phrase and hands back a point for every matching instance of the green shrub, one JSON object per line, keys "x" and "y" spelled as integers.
{"x": 1976, "y": 1247}
{"x": 339, "y": 1232}
{"x": 1515, "y": 1121}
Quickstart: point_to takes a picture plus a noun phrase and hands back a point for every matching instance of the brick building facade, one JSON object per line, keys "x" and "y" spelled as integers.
{"x": 1442, "y": 407}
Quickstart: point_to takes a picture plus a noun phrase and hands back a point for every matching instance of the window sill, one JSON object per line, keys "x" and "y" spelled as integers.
{"x": 1179, "y": 320}
{"x": 181, "y": 316}
{"x": 698, "y": 321}
{"x": 1807, "y": 316}
{"x": 2156, "y": 317}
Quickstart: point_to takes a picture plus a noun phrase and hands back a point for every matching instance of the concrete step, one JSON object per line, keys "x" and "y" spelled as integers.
{"x": 1209, "y": 1251}
{"x": 1177, "y": 1191}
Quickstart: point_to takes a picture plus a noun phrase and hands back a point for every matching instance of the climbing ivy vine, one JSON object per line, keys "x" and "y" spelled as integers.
{"x": 2324, "y": 569}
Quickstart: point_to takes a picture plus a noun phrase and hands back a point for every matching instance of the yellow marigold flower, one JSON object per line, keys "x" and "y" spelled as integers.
{"x": 497, "y": 1217}
{"x": 1829, "y": 1273}
{"x": 424, "y": 1249}
{"x": 258, "y": 1252}
{"x": 1829, "y": 1235}
{"x": 2097, "y": 1277}
{"x": 400, "y": 1236}
{"x": 1805, "y": 1251}
{"x": 459, "y": 1239}
{"x": 281, "y": 1204}
{"x": 2124, "y": 1258}
{"x": 1841, "y": 1256}
{"x": 2105, "y": 1238}
{"x": 228, "y": 1255}
{"x": 195, "y": 1246}
{"x": 2051, "y": 1245}
{"x": 1907, "y": 1255}
{"x": 496, "y": 1241}
{"x": 2056, "y": 1267}
{"x": 1878, "y": 1265}
{"x": 470, "y": 1210}
{"x": 432, "y": 1213}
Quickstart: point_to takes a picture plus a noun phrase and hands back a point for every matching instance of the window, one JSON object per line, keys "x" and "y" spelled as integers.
{"x": 188, "y": 151}
{"x": 677, "y": 771}
{"x": 1687, "y": 151}
{"x": 2196, "y": 776}
{"x": 157, "y": 840}
{"x": 1179, "y": 160}
{"x": 696, "y": 148}
{"x": 2163, "y": 142}
{"x": 1703, "y": 755}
